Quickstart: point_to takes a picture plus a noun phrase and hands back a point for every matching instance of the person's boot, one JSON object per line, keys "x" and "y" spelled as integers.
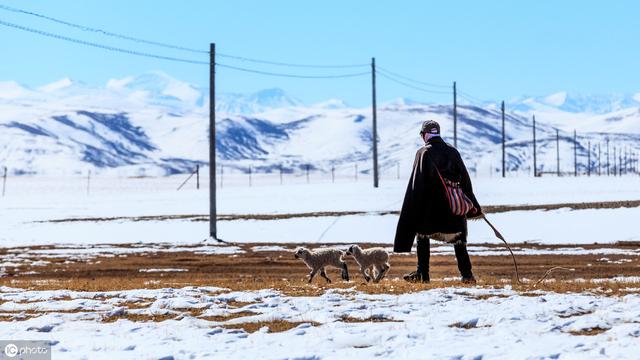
{"x": 469, "y": 279}
{"x": 422, "y": 272}
{"x": 417, "y": 276}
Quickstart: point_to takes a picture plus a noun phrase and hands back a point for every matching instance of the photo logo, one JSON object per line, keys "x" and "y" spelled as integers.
{"x": 25, "y": 349}
{"x": 11, "y": 350}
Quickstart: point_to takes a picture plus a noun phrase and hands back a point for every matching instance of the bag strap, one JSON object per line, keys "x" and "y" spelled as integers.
{"x": 438, "y": 171}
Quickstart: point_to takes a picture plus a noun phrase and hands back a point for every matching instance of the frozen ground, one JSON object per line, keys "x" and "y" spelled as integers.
{"x": 30, "y": 200}
{"x": 451, "y": 323}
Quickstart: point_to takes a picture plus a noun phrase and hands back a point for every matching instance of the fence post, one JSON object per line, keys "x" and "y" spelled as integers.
{"x": 221, "y": 176}
{"x": 4, "y": 181}
{"x": 620, "y": 163}
{"x": 575, "y": 154}
{"x": 198, "y": 176}
{"x": 398, "y": 171}
{"x": 356, "y": 173}
{"x": 608, "y": 164}
{"x": 307, "y": 173}
{"x": 333, "y": 174}
{"x": 88, "y": 182}
{"x": 615, "y": 161}
{"x": 589, "y": 158}
{"x": 599, "y": 161}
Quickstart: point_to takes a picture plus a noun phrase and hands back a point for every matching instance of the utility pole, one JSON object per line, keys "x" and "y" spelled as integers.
{"x": 503, "y": 139}
{"x": 535, "y": 163}
{"x": 375, "y": 123}
{"x": 213, "y": 230}
{"x": 455, "y": 116}
{"x": 558, "y": 152}
{"x": 575, "y": 154}
{"x": 589, "y": 158}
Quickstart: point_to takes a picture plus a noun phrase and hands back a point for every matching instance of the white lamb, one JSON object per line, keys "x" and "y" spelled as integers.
{"x": 374, "y": 259}
{"x": 318, "y": 259}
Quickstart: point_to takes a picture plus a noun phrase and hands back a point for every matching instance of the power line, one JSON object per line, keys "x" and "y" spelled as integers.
{"x": 413, "y": 80}
{"x": 100, "y": 31}
{"x": 169, "y": 58}
{"x": 471, "y": 101}
{"x": 293, "y": 75}
{"x": 471, "y": 96}
{"x": 101, "y": 46}
{"x": 290, "y": 64}
{"x": 411, "y": 86}
{"x": 166, "y": 45}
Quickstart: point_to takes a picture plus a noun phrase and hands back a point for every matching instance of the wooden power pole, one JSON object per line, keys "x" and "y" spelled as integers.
{"x": 503, "y": 139}
{"x": 213, "y": 230}
{"x": 558, "y": 152}
{"x": 535, "y": 163}
{"x": 375, "y": 123}
{"x": 455, "y": 116}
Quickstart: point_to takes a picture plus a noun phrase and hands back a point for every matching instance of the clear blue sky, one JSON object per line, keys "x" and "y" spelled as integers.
{"x": 493, "y": 49}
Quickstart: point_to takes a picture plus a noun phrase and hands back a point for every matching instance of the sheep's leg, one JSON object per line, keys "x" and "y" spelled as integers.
{"x": 364, "y": 273}
{"x": 383, "y": 271}
{"x": 324, "y": 275}
{"x": 375, "y": 272}
{"x": 312, "y": 274}
{"x": 345, "y": 272}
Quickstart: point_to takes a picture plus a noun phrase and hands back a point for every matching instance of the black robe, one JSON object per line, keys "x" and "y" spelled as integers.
{"x": 425, "y": 209}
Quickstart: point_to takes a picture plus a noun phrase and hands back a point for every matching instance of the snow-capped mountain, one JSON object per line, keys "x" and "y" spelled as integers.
{"x": 576, "y": 103}
{"x": 255, "y": 103}
{"x": 154, "y": 125}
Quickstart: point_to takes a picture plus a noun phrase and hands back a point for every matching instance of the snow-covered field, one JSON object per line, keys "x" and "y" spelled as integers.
{"x": 207, "y": 322}
{"x": 29, "y": 201}
{"x": 448, "y": 323}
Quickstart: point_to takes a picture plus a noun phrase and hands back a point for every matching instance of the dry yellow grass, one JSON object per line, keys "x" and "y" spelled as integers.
{"x": 228, "y": 316}
{"x": 588, "y": 332}
{"x": 138, "y": 317}
{"x": 273, "y": 325}
{"x": 376, "y": 319}
{"x": 279, "y": 270}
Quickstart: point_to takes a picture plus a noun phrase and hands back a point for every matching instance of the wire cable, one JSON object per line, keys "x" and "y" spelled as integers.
{"x": 169, "y": 58}
{"x": 292, "y": 75}
{"x": 240, "y": 58}
{"x": 413, "y": 80}
{"x": 467, "y": 95}
{"x": 471, "y": 101}
{"x": 166, "y": 45}
{"x": 101, "y": 46}
{"x": 412, "y": 86}
{"x": 100, "y": 31}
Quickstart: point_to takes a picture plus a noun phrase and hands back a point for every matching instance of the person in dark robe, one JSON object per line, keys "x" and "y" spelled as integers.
{"x": 426, "y": 213}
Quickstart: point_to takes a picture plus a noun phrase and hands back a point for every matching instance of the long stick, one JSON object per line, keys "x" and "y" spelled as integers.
{"x": 515, "y": 264}
{"x": 499, "y": 236}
